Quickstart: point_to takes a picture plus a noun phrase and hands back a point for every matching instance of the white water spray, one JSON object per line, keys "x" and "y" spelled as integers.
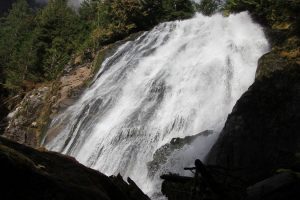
{"x": 179, "y": 79}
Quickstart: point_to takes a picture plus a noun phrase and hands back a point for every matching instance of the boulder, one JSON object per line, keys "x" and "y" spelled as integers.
{"x": 31, "y": 174}
{"x": 280, "y": 186}
{"x": 27, "y": 120}
{"x": 161, "y": 155}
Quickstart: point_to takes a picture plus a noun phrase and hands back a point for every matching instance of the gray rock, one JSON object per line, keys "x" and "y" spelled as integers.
{"x": 160, "y": 157}
{"x": 280, "y": 186}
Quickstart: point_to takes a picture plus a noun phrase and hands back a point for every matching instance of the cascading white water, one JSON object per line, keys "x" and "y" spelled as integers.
{"x": 176, "y": 80}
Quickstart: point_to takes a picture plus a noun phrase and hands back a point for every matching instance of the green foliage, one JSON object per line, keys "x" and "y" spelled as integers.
{"x": 176, "y": 9}
{"x": 35, "y": 45}
{"x": 208, "y": 7}
{"x": 115, "y": 19}
{"x": 57, "y": 36}
{"x": 15, "y": 42}
{"x": 266, "y": 11}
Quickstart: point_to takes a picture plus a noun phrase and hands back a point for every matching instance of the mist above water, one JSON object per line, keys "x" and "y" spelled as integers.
{"x": 179, "y": 79}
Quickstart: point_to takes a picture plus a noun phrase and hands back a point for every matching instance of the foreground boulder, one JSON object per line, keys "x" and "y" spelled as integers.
{"x": 27, "y": 173}
{"x": 281, "y": 186}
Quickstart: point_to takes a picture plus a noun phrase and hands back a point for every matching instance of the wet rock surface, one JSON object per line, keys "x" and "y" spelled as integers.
{"x": 160, "y": 157}
{"x": 71, "y": 86}
{"x": 32, "y": 174}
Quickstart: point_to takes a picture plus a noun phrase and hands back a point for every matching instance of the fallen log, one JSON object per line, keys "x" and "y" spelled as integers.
{"x": 176, "y": 178}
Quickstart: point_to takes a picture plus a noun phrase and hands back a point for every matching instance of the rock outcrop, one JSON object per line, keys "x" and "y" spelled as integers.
{"x": 261, "y": 135}
{"x": 30, "y": 118}
{"x": 27, "y": 119}
{"x": 32, "y": 174}
{"x": 161, "y": 155}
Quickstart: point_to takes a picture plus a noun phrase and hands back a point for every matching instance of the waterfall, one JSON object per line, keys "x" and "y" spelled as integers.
{"x": 178, "y": 79}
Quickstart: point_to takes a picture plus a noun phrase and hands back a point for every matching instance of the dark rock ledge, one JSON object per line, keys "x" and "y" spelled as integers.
{"x": 32, "y": 174}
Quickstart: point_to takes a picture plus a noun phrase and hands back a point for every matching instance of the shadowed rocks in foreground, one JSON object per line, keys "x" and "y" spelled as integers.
{"x": 261, "y": 135}
{"x": 27, "y": 173}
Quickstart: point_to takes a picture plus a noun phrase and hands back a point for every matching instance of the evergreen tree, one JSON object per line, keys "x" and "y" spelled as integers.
{"x": 57, "y": 34}
{"x": 208, "y": 7}
{"x": 15, "y": 44}
{"x": 36, "y": 44}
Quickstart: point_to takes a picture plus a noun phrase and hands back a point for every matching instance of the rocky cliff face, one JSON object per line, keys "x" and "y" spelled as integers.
{"x": 31, "y": 116}
{"x": 261, "y": 135}
{"x": 27, "y": 173}
{"x": 26, "y": 120}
